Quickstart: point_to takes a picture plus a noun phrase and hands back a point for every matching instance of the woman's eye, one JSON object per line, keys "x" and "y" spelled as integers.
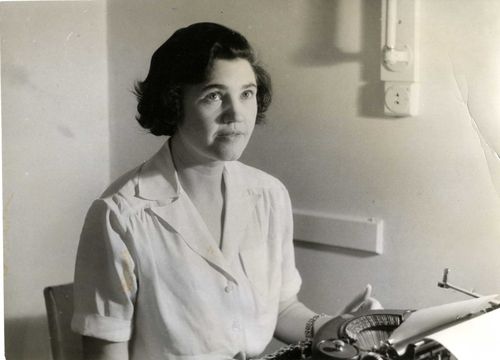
{"x": 247, "y": 94}
{"x": 212, "y": 97}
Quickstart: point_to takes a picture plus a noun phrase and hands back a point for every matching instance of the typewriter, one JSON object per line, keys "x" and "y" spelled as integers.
{"x": 390, "y": 334}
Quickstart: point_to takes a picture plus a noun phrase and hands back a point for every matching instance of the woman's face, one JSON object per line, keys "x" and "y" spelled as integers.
{"x": 219, "y": 114}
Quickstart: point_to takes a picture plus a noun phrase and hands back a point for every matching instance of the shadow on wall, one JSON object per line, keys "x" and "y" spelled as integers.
{"x": 27, "y": 338}
{"x": 322, "y": 46}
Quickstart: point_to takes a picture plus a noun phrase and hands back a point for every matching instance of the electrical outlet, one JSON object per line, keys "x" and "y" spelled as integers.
{"x": 400, "y": 99}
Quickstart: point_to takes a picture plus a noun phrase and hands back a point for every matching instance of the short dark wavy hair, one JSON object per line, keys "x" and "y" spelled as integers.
{"x": 186, "y": 58}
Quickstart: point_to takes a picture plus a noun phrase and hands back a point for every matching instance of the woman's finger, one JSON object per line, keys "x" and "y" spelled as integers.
{"x": 358, "y": 301}
{"x": 371, "y": 304}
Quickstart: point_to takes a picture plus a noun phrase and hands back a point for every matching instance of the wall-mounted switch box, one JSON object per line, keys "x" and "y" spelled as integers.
{"x": 399, "y": 56}
{"x": 400, "y": 63}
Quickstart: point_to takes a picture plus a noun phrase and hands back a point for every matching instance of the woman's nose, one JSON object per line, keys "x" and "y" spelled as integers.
{"x": 233, "y": 112}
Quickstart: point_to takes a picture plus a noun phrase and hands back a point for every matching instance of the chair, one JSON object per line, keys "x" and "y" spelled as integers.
{"x": 64, "y": 343}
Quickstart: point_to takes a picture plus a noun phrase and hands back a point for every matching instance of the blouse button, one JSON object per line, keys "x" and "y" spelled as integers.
{"x": 229, "y": 288}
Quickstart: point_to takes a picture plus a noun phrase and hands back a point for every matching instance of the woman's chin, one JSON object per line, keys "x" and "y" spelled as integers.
{"x": 229, "y": 151}
{"x": 229, "y": 155}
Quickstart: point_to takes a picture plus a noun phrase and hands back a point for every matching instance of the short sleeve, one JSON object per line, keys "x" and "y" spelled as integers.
{"x": 105, "y": 282}
{"x": 291, "y": 280}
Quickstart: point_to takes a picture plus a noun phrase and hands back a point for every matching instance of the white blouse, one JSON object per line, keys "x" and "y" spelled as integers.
{"x": 149, "y": 272}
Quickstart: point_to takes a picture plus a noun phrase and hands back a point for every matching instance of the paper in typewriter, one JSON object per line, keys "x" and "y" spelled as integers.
{"x": 474, "y": 339}
{"x": 422, "y": 323}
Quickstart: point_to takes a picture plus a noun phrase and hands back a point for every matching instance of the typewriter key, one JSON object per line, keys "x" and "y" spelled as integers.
{"x": 335, "y": 349}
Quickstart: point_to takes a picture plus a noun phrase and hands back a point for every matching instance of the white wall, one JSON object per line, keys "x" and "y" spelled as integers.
{"x": 425, "y": 176}
{"x": 328, "y": 140}
{"x": 55, "y": 152}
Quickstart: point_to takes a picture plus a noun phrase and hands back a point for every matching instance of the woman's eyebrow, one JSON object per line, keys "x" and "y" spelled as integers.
{"x": 213, "y": 86}
{"x": 221, "y": 86}
{"x": 249, "y": 85}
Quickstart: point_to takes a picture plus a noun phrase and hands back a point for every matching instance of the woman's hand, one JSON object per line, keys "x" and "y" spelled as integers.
{"x": 363, "y": 301}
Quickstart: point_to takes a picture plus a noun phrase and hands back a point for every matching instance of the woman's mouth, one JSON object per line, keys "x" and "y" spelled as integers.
{"x": 229, "y": 134}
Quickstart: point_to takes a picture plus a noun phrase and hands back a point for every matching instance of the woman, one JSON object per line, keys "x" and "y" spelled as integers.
{"x": 190, "y": 255}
